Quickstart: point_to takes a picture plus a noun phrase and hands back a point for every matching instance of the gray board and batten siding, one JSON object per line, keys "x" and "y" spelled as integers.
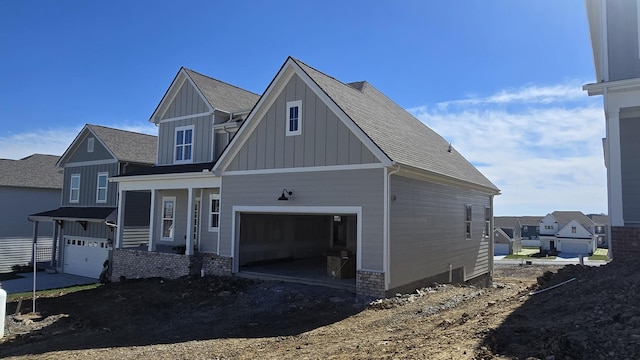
{"x": 186, "y": 102}
{"x": 202, "y": 137}
{"x": 427, "y": 230}
{"x": 89, "y": 184}
{"x": 345, "y": 188}
{"x": 622, "y": 40}
{"x": 325, "y": 140}
{"x": 629, "y": 150}
{"x": 81, "y": 154}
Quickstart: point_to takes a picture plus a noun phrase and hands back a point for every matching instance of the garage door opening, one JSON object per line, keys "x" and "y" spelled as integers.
{"x": 310, "y": 248}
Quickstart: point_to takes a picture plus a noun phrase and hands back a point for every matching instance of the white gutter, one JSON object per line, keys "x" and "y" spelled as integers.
{"x": 387, "y": 226}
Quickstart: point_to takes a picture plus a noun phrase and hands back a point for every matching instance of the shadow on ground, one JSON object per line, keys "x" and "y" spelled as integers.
{"x": 156, "y": 311}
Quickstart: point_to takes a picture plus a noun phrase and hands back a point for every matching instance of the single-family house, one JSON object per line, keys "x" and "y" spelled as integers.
{"x": 568, "y": 232}
{"x": 530, "y": 230}
{"x": 601, "y": 228}
{"x": 508, "y": 238}
{"x": 25, "y": 186}
{"x": 323, "y": 179}
{"x": 615, "y": 38}
{"x": 84, "y": 220}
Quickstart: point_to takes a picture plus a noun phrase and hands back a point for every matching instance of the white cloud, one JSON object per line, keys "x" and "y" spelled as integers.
{"x": 544, "y": 155}
{"x": 53, "y": 141}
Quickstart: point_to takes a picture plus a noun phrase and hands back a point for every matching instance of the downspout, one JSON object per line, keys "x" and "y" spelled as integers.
{"x": 387, "y": 223}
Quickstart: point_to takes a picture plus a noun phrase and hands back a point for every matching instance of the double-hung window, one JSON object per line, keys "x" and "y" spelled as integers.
{"x": 183, "y": 151}
{"x": 168, "y": 217}
{"x": 101, "y": 192}
{"x": 74, "y": 188}
{"x": 468, "y": 221}
{"x": 487, "y": 222}
{"x": 214, "y": 212}
{"x": 294, "y": 118}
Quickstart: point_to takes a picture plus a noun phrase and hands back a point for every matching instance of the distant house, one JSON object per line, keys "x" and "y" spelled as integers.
{"x": 568, "y": 232}
{"x": 601, "y": 228}
{"x": 530, "y": 230}
{"x": 84, "y": 218}
{"x": 508, "y": 239}
{"x": 332, "y": 180}
{"x": 25, "y": 186}
{"x": 615, "y": 39}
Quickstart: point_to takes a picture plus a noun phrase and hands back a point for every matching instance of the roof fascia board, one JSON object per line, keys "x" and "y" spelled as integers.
{"x": 419, "y": 174}
{"x": 181, "y": 77}
{"x": 160, "y": 177}
{"x": 208, "y": 113}
{"x": 276, "y": 86}
{"x": 618, "y": 85}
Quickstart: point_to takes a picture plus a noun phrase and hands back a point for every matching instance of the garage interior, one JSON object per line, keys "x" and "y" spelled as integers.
{"x": 317, "y": 249}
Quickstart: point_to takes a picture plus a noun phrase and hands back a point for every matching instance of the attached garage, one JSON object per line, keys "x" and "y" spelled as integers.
{"x": 311, "y": 246}
{"x": 575, "y": 247}
{"x": 85, "y": 256}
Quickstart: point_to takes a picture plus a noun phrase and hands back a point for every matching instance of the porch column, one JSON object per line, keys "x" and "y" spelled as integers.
{"x": 35, "y": 244}
{"x": 120, "y": 228}
{"x": 152, "y": 221}
{"x": 189, "y": 244}
{"x": 54, "y": 245}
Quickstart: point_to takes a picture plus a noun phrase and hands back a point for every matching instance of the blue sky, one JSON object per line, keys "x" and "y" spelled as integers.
{"x": 500, "y": 79}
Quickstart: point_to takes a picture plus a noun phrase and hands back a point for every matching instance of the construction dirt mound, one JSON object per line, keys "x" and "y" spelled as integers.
{"x": 531, "y": 312}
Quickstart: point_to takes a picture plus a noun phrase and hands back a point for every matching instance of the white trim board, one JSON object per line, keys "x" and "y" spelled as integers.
{"x": 305, "y": 169}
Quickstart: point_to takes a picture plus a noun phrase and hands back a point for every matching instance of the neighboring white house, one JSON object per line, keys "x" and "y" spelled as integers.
{"x": 568, "y": 232}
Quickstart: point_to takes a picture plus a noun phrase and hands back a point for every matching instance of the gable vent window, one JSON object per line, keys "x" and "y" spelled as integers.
{"x": 90, "y": 144}
{"x": 184, "y": 144}
{"x": 294, "y": 118}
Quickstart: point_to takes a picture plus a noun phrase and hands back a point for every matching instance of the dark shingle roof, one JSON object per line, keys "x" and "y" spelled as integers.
{"x": 508, "y": 222}
{"x": 88, "y": 213}
{"x": 531, "y": 220}
{"x": 599, "y": 219}
{"x": 221, "y": 95}
{"x": 35, "y": 171}
{"x": 565, "y": 217}
{"x": 402, "y": 137}
{"x": 127, "y": 145}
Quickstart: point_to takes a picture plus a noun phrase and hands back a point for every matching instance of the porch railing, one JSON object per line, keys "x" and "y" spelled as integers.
{"x": 134, "y": 236}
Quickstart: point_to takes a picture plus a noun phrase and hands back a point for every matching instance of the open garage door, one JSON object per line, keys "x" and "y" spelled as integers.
{"x": 318, "y": 247}
{"x": 85, "y": 256}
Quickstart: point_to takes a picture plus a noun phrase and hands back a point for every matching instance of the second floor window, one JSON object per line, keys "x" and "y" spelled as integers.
{"x": 101, "y": 192}
{"x": 294, "y": 118}
{"x": 74, "y": 189}
{"x": 184, "y": 144}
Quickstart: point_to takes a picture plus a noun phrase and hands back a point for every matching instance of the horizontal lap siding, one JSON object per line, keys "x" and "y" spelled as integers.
{"x": 330, "y": 188}
{"x": 325, "y": 140}
{"x": 89, "y": 184}
{"x": 428, "y": 231}
{"x": 19, "y": 203}
{"x": 93, "y": 230}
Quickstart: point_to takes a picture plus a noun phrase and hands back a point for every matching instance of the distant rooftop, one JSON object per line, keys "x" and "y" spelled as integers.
{"x": 34, "y": 171}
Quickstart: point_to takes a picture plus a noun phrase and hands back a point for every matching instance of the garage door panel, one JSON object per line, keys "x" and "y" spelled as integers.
{"x": 85, "y": 257}
{"x": 575, "y": 248}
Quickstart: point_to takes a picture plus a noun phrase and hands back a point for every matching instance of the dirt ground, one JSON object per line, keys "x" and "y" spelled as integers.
{"x": 594, "y": 316}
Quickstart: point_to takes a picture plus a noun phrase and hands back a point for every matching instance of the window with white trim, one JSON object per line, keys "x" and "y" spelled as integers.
{"x": 183, "y": 151}
{"x": 168, "y": 217}
{"x": 294, "y": 118}
{"x": 74, "y": 188}
{"x": 573, "y": 229}
{"x": 101, "y": 189}
{"x": 214, "y": 212}
{"x": 90, "y": 144}
{"x": 468, "y": 221}
{"x": 487, "y": 222}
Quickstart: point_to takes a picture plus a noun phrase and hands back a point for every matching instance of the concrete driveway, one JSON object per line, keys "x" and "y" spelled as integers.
{"x": 44, "y": 281}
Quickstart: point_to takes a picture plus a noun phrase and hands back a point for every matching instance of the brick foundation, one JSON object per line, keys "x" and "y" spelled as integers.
{"x": 370, "y": 284}
{"x": 135, "y": 264}
{"x": 216, "y": 265}
{"x": 625, "y": 242}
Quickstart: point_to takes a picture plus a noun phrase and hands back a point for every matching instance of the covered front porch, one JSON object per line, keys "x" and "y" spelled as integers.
{"x": 180, "y": 222}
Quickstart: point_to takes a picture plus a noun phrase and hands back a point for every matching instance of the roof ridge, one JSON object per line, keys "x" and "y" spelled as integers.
{"x": 121, "y": 130}
{"x": 331, "y": 77}
{"x": 218, "y": 80}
